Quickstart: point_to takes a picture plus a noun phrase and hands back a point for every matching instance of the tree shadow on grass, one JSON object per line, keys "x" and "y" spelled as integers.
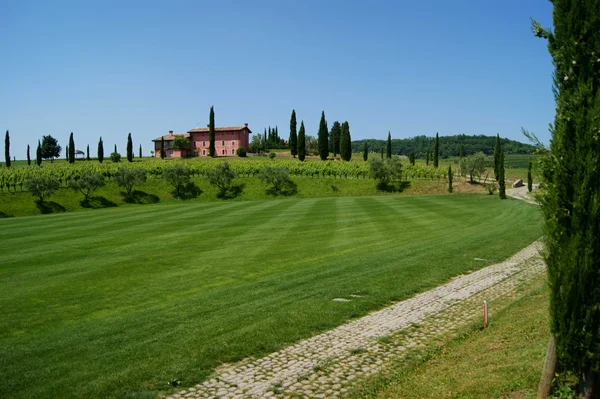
{"x": 4, "y": 215}
{"x": 393, "y": 188}
{"x": 47, "y": 207}
{"x": 140, "y": 197}
{"x": 189, "y": 191}
{"x": 233, "y": 192}
{"x": 97, "y": 203}
{"x": 289, "y": 188}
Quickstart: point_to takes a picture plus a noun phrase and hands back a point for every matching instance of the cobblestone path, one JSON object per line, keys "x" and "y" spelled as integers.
{"x": 327, "y": 365}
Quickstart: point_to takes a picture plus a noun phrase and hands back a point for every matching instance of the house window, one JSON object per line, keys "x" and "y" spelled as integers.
{"x": 204, "y": 144}
{"x": 233, "y": 143}
{"x": 203, "y": 152}
{"x": 223, "y": 134}
{"x": 232, "y": 151}
{"x": 203, "y": 134}
{"x": 223, "y": 142}
{"x": 223, "y": 152}
{"x": 194, "y": 144}
{"x": 171, "y": 152}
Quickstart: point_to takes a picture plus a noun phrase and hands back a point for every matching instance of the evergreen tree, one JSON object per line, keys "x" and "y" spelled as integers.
{"x": 38, "y": 154}
{"x": 71, "y": 149}
{"x": 411, "y": 157}
{"x": 381, "y": 152}
{"x": 140, "y": 151}
{"x": 345, "y": 142}
{"x": 427, "y": 158}
{"x": 449, "y": 178}
{"x": 529, "y": 179}
{"x": 388, "y": 147}
{"x": 497, "y": 151}
{"x": 211, "y": 133}
{"x": 436, "y": 150}
{"x": 100, "y": 150}
{"x": 293, "y": 141}
{"x": 67, "y": 154}
{"x": 7, "y": 149}
{"x": 335, "y": 139}
{"x": 301, "y": 142}
{"x": 323, "y": 138}
{"x": 365, "y": 151}
{"x": 501, "y": 181}
{"x": 87, "y": 157}
{"x": 28, "y": 157}
{"x": 462, "y": 151}
{"x": 129, "y": 148}
{"x": 570, "y": 206}
{"x": 163, "y": 153}
{"x": 265, "y": 140}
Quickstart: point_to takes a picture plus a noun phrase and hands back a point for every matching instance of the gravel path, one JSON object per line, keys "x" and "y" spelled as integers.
{"x": 327, "y": 365}
{"x": 522, "y": 193}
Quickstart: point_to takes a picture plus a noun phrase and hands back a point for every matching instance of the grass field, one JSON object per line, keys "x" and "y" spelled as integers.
{"x": 116, "y": 302}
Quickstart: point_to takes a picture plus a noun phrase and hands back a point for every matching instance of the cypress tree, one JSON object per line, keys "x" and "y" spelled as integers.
{"x": 382, "y": 152}
{"x": 449, "y": 178}
{"x": 501, "y": 181}
{"x": 497, "y": 151}
{"x": 293, "y": 141}
{"x": 365, "y": 151}
{"x": 71, "y": 149}
{"x": 323, "y": 138}
{"x": 163, "y": 153}
{"x": 7, "y": 149}
{"x": 462, "y": 151}
{"x": 87, "y": 153}
{"x": 570, "y": 206}
{"x": 28, "y": 157}
{"x": 427, "y": 157}
{"x": 529, "y": 179}
{"x": 411, "y": 157}
{"x": 301, "y": 142}
{"x": 129, "y": 148}
{"x": 436, "y": 150}
{"x": 211, "y": 133}
{"x": 38, "y": 154}
{"x": 67, "y": 154}
{"x": 140, "y": 151}
{"x": 115, "y": 148}
{"x": 335, "y": 138}
{"x": 100, "y": 150}
{"x": 345, "y": 142}
{"x": 388, "y": 147}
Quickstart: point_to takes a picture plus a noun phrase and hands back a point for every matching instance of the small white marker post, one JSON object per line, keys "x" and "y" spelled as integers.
{"x": 485, "y": 314}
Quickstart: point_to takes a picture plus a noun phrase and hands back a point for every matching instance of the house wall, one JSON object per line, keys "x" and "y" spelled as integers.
{"x": 226, "y": 144}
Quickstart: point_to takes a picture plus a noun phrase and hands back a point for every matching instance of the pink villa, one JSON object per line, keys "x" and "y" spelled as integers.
{"x": 227, "y": 141}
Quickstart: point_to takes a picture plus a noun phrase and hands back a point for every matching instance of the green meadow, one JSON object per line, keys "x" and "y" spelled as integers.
{"x": 117, "y": 302}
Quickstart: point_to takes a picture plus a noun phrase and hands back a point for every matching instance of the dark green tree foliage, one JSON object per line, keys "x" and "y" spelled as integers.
{"x": 450, "y": 178}
{"x": 345, "y": 142}
{"x": 28, "y": 156}
{"x": 100, "y": 150}
{"x": 180, "y": 177}
{"x": 461, "y": 153}
{"x": 278, "y": 177}
{"x": 115, "y": 156}
{"x": 128, "y": 178}
{"x": 386, "y": 172}
{"x": 38, "y": 154}
{"x": 529, "y": 179}
{"x": 163, "y": 153}
{"x": 427, "y": 158}
{"x": 497, "y": 152}
{"x": 87, "y": 153}
{"x": 211, "y": 133}
{"x": 411, "y": 158}
{"x": 7, "y": 149}
{"x": 365, "y": 151}
{"x": 41, "y": 187}
{"x": 293, "y": 141}
{"x": 140, "y": 151}
{"x": 301, "y": 142}
{"x": 50, "y": 148}
{"x": 129, "y": 148}
{"x": 571, "y": 207}
{"x": 323, "y": 138}
{"x": 87, "y": 183}
{"x": 265, "y": 140}
{"x": 182, "y": 144}
{"x": 222, "y": 177}
{"x": 71, "y": 149}
{"x": 501, "y": 180}
{"x": 381, "y": 152}
{"x": 388, "y": 147}
{"x": 335, "y": 139}
{"x": 436, "y": 150}
{"x": 67, "y": 153}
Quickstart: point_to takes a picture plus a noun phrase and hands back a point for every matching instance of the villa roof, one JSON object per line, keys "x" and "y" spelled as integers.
{"x": 219, "y": 129}
{"x": 169, "y": 137}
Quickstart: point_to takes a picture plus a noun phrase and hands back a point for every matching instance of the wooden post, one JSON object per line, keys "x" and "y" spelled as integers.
{"x": 545, "y": 386}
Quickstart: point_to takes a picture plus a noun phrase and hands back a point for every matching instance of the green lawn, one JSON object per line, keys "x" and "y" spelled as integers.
{"x": 116, "y": 302}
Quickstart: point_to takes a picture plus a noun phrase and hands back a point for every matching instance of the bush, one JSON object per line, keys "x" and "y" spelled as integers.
{"x": 276, "y": 176}
{"x": 180, "y": 177}
{"x": 87, "y": 183}
{"x": 241, "y": 152}
{"x": 272, "y": 155}
{"x": 386, "y": 171}
{"x": 41, "y": 187}
{"x": 129, "y": 178}
{"x": 222, "y": 177}
{"x": 115, "y": 157}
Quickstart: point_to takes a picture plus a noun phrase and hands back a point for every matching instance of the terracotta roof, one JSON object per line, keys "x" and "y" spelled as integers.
{"x": 168, "y": 137}
{"x": 218, "y": 129}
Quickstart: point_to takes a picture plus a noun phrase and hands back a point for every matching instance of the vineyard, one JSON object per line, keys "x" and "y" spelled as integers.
{"x": 15, "y": 177}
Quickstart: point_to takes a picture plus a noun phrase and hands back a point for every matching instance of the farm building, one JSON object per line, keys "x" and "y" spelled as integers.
{"x": 227, "y": 141}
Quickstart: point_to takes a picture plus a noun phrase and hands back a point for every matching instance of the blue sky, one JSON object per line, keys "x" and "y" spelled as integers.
{"x": 107, "y": 68}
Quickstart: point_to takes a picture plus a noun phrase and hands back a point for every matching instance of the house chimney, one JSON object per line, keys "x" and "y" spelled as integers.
{"x": 245, "y": 125}
{"x": 170, "y": 133}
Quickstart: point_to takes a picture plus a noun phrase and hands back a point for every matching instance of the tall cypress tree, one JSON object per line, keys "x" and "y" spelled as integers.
{"x": 497, "y": 151}
{"x": 323, "y": 138}
{"x": 411, "y": 157}
{"x": 462, "y": 151}
{"x": 529, "y": 179}
{"x": 345, "y": 142}
{"x": 436, "y": 150}
{"x": 7, "y": 149}
{"x": 38, "y": 154}
{"x": 129, "y": 148}
{"x": 100, "y": 150}
{"x": 336, "y": 136}
{"x": 427, "y": 157}
{"x": 71, "y": 149}
{"x": 211, "y": 133}
{"x": 301, "y": 142}
{"x": 501, "y": 181}
{"x": 450, "y": 178}
{"x": 570, "y": 206}
{"x": 28, "y": 156}
{"x": 67, "y": 153}
{"x": 140, "y": 151}
{"x": 87, "y": 153}
{"x": 365, "y": 151}
{"x": 388, "y": 147}
{"x": 293, "y": 141}
{"x": 163, "y": 153}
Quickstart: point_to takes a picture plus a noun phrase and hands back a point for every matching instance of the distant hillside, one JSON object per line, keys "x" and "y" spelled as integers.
{"x": 449, "y": 145}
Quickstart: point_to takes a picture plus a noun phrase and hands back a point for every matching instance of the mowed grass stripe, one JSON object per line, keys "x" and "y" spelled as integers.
{"x": 173, "y": 297}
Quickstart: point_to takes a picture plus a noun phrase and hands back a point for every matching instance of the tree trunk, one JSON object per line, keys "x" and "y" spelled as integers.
{"x": 589, "y": 385}
{"x": 545, "y": 386}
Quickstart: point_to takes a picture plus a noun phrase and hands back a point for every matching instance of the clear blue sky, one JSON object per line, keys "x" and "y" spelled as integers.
{"x": 107, "y": 68}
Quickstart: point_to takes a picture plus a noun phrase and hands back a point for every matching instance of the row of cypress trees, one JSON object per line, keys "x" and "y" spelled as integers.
{"x": 339, "y": 135}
